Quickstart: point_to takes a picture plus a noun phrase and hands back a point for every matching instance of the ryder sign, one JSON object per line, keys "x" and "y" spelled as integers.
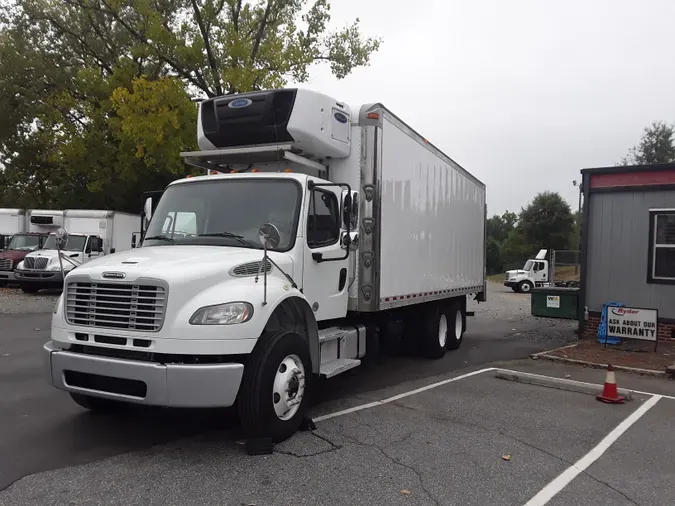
{"x": 632, "y": 323}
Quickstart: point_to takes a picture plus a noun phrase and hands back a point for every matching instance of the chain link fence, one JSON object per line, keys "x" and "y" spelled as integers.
{"x": 565, "y": 265}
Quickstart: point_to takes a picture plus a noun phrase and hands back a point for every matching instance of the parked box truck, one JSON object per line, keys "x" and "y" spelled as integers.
{"x": 324, "y": 226}
{"x": 12, "y": 221}
{"x": 93, "y": 233}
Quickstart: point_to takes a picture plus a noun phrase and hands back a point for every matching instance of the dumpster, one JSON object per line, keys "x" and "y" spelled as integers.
{"x": 555, "y": 302}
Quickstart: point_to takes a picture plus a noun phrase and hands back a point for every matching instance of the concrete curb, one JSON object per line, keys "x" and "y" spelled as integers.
{"x": 559, "y": 383}
{"x": 623, "y": 368}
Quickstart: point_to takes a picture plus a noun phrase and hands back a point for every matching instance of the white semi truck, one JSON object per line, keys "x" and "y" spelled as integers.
{"x": 326, "y": 225}
{"x": 94, "y": 233}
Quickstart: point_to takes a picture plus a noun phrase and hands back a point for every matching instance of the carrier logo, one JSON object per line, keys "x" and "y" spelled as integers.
{"x": 114, "y": 275}
{"x": 341, "y": 118}
{"x": 239, "y": 103}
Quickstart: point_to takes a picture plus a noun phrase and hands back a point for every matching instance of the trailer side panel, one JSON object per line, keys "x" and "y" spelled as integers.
{"x": 432, "y": 227}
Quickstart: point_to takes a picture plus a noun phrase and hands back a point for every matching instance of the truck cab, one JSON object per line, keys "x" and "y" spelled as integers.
{"x": 249, "y": 283}
{"x": 18, "y": 247}
{"x": 45, "y": 268}
{"x": 535, "y": 273}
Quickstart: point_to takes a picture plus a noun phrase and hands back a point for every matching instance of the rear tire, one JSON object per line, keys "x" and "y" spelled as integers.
{"x": 30, "y": 289}
{"x": 457, "y": 325}
{"x": 435, "y": 338}
{"x": 278, "y": 373}
{"x": 96, "y": 404}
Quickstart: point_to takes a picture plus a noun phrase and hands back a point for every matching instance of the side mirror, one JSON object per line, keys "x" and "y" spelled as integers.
{"x": 355, "y": 212}
{"x": 134, "y": 239}
{"x": 112, "y": 250}
{"x": 61, "y": 236}
{"x": 269, "y": 236}
{"x": 147, "y": 211}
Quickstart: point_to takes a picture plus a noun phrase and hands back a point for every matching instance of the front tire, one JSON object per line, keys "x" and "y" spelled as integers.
{"x": 30, "y": 289}
{"x": 525, "y": 287}
{"x": 273, "y": 398}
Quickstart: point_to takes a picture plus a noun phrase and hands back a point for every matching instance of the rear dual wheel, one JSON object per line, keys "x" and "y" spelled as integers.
{"x": 444, "y": 330}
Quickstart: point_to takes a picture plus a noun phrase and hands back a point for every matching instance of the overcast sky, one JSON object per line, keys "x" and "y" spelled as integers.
{"x": 522, "y": 93}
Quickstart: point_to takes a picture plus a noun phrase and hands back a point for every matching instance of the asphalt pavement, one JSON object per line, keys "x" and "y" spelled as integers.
{"x": 42, "y": 429}
{"x": 478, "y": 440}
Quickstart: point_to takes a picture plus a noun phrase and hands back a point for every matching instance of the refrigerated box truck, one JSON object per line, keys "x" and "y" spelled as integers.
{"x": 93, "y": 233}
{"x": 12, "y": 221}
{"x": 325, "y": 225}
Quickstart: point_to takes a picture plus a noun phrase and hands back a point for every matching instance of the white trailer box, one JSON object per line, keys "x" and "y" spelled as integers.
{"x": 320, "y": 228}
{"x": 12, "y": 221}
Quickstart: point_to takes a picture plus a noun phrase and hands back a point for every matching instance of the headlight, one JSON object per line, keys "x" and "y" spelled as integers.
{"x": 54, "y": 267}
{"x": 223, "y": 314}
{"x": 19, "y": 265}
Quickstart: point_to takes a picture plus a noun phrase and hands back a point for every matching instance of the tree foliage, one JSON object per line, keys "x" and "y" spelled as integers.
{"x": 95, "y": 95}
{"x": 657, "y": 145}
{"x": 545, "y": 223}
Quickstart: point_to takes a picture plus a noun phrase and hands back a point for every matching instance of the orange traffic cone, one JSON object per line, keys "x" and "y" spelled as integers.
{"x": 610, "y": 394}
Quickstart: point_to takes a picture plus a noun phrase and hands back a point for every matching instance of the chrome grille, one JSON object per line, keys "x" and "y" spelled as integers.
{"x": 116, "y": 305}
{"x": 38, "y": 264}
{"x": 250, "y": 269}
{"x": 5, "y": 264}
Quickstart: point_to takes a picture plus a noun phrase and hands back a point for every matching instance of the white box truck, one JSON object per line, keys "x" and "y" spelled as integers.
{"x": 12, "y": 221}
{"x": 93, "y": 233}
{"x": 325, "y": 226}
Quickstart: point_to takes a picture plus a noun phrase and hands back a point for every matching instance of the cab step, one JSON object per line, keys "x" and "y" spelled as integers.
{"x": 338, "y": 367}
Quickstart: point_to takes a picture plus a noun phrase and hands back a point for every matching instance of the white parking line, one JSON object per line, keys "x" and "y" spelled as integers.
{"x": 400, "y": 396}
{"x": 559, "y": 483}
{"x": 451, "y": 380}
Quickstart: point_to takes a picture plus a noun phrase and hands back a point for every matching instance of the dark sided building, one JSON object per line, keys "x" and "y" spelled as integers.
{"x": 628, "y": 243}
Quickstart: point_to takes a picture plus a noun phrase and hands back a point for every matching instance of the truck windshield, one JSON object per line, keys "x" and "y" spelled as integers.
{"x": 528, "y": 265}
{"x": 74, "y": 243}
{"x": 225, "y": 213}
{"x": 24, "y": 242}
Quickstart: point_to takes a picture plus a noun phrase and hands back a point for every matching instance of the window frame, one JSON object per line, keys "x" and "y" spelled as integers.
{"x": 652, "y": 248}
{"x": 309, "y": 212}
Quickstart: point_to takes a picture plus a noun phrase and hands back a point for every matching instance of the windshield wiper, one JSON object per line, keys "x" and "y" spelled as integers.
{"x": 160, "y": 238}
{"x": 229, "y": 235}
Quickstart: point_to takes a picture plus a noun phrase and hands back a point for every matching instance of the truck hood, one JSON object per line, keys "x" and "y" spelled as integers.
{"x": 52, "y": 253}
{"x": 515, "y": 272}
{"x": 177, "y": 264}
{"x": 14, "y": 254}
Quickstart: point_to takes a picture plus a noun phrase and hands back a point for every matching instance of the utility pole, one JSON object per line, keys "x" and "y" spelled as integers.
{"x": 576, "y": 265}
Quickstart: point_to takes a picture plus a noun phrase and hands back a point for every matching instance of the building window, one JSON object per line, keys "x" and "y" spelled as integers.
{"x": 661, "y": 247}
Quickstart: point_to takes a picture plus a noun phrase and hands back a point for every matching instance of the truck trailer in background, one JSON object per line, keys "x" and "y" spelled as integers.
{"x": 93, "y": 233}
{"x": 326, "y": 225}
{"x": 12, "y": 221}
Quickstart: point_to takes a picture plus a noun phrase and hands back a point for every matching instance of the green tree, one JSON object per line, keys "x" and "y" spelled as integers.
{"x": 547, "y": 222}
{"x": 657, "y": 145}
{"x": 95, "y": 94}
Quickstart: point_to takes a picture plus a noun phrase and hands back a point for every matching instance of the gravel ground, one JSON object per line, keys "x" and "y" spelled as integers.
{"x": 506, "y": 306}
{"x": 14, "y": 301}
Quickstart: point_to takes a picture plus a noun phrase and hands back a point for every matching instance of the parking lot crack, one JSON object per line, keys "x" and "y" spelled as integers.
{"x": 610, "y": 487}
{"x": 333, "y": 447}
{"x": 394, "y": 460}
{"x": 440, "y": 418}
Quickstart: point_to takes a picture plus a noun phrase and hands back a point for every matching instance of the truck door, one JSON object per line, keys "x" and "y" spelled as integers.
{"x": 325, "y": 273}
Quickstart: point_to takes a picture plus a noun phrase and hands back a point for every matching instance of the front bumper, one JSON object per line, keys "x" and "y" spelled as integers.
{"x": 172, "y": 385}
{"x": 46, "y": 278}
{"x": 7, "y": 276}
{"x": 510, "y": 284}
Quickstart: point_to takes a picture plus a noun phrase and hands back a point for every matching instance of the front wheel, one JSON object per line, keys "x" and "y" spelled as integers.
{"x": 525, "y": 287}
{"x": 30, "y": 289}
{"x": 273, "y": 397}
